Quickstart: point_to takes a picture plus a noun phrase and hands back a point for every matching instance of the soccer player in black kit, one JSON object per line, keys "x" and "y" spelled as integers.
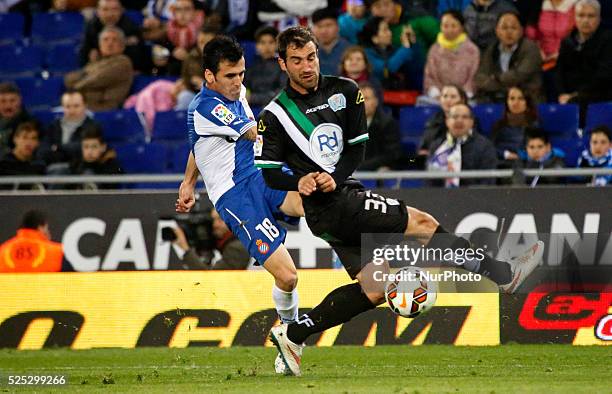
{"x": 317, "y": 127}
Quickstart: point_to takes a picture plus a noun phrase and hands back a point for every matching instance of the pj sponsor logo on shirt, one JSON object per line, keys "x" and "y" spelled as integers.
{"x": 223, "y": 113}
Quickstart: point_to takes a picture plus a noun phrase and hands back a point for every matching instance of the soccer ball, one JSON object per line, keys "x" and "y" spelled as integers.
{"x": 409, "y": 294}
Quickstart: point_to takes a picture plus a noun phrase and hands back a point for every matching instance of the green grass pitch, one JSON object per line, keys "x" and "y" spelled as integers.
{"x": 346, "y": 369}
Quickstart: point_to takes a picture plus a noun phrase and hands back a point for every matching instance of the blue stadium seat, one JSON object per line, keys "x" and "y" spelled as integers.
{"x": 170, "y": 125}
{"x": 412, "y": 119}
{"x": 598, "y": 114}
{"x": 142, "y": 158}
{"x": 62, "y": 58}
{"x": 177, "y": 157}
{"x": 121, "y": 126}
{"x": 141, "y": 81}
{"x": 57, "y": 27}
{"x": 11, "y": 27}
{"x": 571, "y": 147}
{"x": 249, "y": 52}
{"x": 487, "y": 115}
{"x": 135, "y": 16}
{"x": 41, "y": 93}
{"x": 20, "y": 61}
{"x": 45, "y": 117}
{"x": 559, "y": 120}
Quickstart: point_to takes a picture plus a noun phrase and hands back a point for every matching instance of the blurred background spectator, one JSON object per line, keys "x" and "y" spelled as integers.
{"x": 158, "y": 96}
{"x": 191, "y": 69}
{"x": 157, "y": 14}
{"x": 356, "y": 66}
{"x": 508, "y": 133}
{"x": 95, "y": 159}
{"x": 62, "y": 140}
{"x": 584, "y": 67}
{"x": 21, "y": 160}
{"x": 435, "y": 127}
{"x": 351, "y": 22}
{"x": 383, "y": 150}
{"x": 12, "y": 113}
{"x": 110, "y": 13}
{"x": 511, "y": 60}
{"x": 541, "y": 155}
{"x": 32, "y": 250}
{"x": 481, "y": 19}
{"x": 331, "y": 45}
{"x": 462, "y": 149}
{"x": 598, "y": 155}
{"x": 452, "y": 60}
{"x": 264, "y": 79}
{"x": 104, "y": 82}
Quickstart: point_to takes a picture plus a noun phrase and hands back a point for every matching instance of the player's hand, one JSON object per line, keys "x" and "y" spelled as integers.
{"x": 186, "y": 198}
{"x": 325, "y": 182}
{"x": 307, "y": 184}
{"x": 251, "y": 134}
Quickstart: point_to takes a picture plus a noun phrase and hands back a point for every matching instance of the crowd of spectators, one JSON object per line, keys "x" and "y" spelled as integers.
{"x": 454, "y": 53}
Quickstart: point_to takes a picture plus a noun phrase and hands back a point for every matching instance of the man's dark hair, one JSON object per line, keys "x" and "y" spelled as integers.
{"x": 34, "y": 218}
{"x": 455, "y": 14}
{"x": 516, "y": 14}
{"x": 265, "y": 31}
{"x": 9, "y": 87}
{"x": 536, "y": 133}
{"x": 92, "y": 134}
{"x": 466, "y": 105}
{"x": 27, "y": 127}
{"x": 324, "y": 13}
{"x": 297, "y": 36}
{"x": 369, "y": 30}
{"x": 221, "y": 48}
{"x": 602, "y": 129}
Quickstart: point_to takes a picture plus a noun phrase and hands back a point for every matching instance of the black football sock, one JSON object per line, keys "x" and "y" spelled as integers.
{"x": 338, "y": 307}
{"x": 496, "y": 270}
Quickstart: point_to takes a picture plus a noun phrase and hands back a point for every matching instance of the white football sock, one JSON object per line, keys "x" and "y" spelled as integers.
{"x": 286, "y": 304}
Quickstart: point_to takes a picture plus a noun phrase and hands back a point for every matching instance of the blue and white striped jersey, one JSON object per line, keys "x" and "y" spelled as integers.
{"x": 215, "y": 125}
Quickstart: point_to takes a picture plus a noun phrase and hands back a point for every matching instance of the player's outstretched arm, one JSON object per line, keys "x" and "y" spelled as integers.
{"x": 186, "y": 197}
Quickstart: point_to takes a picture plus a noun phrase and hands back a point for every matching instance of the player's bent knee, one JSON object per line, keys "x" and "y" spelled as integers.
{"x": 287, "y": 280}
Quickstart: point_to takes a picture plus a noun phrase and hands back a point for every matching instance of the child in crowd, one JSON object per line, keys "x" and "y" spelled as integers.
{"x": 351, "y": 22}
{"x": 599, "y": 155}
{"x": 264, "y": 79}
{"x": 541, "y": 155}
{"x": 96, "y": 159}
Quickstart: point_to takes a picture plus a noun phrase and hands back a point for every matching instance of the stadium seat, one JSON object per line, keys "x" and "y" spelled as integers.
{"x": 142, "y": 158}
{"x": 135, "y": 16}
{"x": 62, "y": 58}
{"x": 11, "y": 27}
{"x": 41, "y": 93}
{"x": 599, "y": 114}
{"x": 121, "y": 126}
{"x": 45, "y": 117}
{"x": 412, "y": 119}
{"x": 487, "y": 115}
{"x": 56, "y": 27}
{"x": 20, "y": 61}
{"x": 249, "y": 52}
{"x": 571, "y": 147}
{"x": 170, "y": 125}
{"x": 177, "y": 157}
{"x": 141, "y": 81}
{"x": 559, "y": 120}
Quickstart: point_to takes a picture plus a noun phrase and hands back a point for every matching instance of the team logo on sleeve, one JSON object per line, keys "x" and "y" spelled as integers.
{"x": 223, "y": 113}
{"x": 261, "y": 127}
{"x": 337, "y": 102}
{"x": 360, "y": 98}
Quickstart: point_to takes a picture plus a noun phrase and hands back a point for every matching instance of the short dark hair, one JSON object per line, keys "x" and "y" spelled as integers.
{"x": 324, "y": 13}
{"x": 466, "y": 105}
{"x": 92, "y": 134}
{"x": 298, "y": 36}
{"x": 516, "y": 15}
{"x": 536, "y": 133}
{"x": 265, "y": 31}
{"x": 457, "y": 15}
{"x": 27, "y": 127}
{"x": 602, "y": 129}
{"x": 9, "y": 87}
{"x": 33, "y": 219}
{"x": 369, "y": 30}
{"x": 221, "y": 48}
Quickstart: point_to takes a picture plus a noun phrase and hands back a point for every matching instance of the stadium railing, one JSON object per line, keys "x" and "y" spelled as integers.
{"x": 376, "y": 176}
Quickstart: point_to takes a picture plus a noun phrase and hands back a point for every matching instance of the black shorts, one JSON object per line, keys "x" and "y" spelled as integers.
{"x": 350, "y": 211}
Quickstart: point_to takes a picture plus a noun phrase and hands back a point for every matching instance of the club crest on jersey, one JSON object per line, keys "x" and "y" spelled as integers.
{"x": 262, "y": 246}
{"x": 223, "y": 113}
{"x": 326, "y": 144}
{"x": 337, "y": 102}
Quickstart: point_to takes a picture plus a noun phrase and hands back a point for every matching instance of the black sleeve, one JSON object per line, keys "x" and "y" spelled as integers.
{"x": 351, "y": 158}
{"x": 279, "y": 180}
{"x": 270, "y": 144}
{"x": 356, "y": 127}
